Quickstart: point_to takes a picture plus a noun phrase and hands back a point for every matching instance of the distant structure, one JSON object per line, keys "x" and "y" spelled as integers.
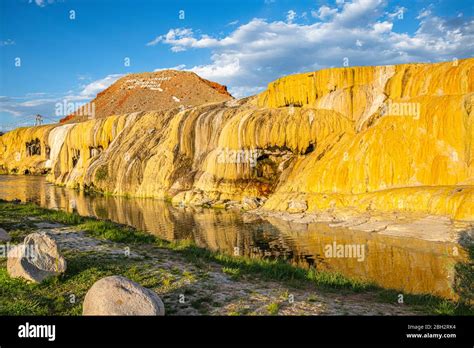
{"x": 38, "y": 120}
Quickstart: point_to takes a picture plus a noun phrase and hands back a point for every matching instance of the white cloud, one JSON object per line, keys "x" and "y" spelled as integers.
{"x": 36, "y": 94}
{"x": 10, "y": 111}
{"x": 180, "y": 37}
{"x": 423, "y": 13}
{"x": 245, "y": 91}
{"x": 37, "y": 102}
{"x": 7, "y": 42}
{"x": 23, "y": 107}
{"x": 83, "y": 77}
{"x": 177, "y": 67}
{"x": 225, "y": 65}
{"x": 260, "y": 51}
{"x": 26, "y": 105}
{"x": 398, "y": 13}
{"x": 324, "y": 12}
{"x": 383, "y": 27}
{"x": 41, "y": 3}
{"x": 90, "y": 90}
{"x": 359, "y": 12}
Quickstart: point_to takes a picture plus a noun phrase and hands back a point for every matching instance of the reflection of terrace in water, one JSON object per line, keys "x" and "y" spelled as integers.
{"x": 411, "y": 265}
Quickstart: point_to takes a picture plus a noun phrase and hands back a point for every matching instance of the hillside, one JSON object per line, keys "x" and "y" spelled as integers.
{"x": 157, "y": 91}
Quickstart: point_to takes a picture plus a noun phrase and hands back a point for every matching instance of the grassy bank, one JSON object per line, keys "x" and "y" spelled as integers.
{"x": 84, "y": 269}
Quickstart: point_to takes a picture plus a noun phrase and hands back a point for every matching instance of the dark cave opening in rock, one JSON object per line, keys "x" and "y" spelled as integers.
{"x": 33, "y": 148}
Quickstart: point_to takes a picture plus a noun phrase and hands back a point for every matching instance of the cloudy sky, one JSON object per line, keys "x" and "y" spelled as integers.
{"x": 66, "y": 51}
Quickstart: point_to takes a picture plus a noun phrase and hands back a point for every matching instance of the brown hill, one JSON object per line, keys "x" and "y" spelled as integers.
{"x": 159, "y": 90}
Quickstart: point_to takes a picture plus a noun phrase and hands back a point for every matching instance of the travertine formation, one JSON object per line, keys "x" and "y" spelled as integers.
{"x": 392, "y": 138}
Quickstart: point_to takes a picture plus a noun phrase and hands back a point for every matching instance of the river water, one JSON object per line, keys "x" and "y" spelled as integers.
{"x": 407, "y": 264}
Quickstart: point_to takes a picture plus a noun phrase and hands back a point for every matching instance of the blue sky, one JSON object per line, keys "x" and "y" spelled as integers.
{"x": 244, "y": 44}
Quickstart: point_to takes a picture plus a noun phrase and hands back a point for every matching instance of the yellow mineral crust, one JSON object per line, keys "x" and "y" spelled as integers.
{"x": 390, "y": 138}
{"x": 14, "y": 155}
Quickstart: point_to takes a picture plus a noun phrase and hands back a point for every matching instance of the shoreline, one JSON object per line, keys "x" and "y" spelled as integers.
{"x": 433, "y": 228}
{"x": 228, "y": 272}
{"x": 411, "y": 224}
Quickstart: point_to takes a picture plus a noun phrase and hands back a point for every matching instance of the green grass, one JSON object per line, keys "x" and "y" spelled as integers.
{"x": 234, "y": 273}
{"x": 464, "y": 277}
{"x": 202, "y": 304}
{"x": 338, "y": 281}
{"x": 21, "y": 212}
{"x": 61, "y": 217}
{"x": 312, "y": 298}
{"x": 273, "y": 308}
{"x": 114, "y": 232}
{"x": 64, "y": 295}
{"x": 427, "y": 303}
{"x": 236, "y": 266}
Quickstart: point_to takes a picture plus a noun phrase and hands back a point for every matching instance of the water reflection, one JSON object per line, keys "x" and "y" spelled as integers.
{"x": 393, "y": 262}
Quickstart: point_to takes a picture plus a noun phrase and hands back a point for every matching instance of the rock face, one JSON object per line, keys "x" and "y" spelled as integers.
{"x": 161, "y": 90}
{"x": 118, "y": 295}
{"x": 392, "y": 138}
{"x": 36, "y": 259}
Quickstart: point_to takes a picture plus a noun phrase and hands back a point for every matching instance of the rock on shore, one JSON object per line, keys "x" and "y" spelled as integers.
{"x": 36, "y": 259}
{"x": 117, "y": 295}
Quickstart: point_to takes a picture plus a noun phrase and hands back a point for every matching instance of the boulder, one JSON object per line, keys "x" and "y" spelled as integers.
{"x": 200, "y": 199}
{"x": 35, "y": 260}
{"x": 250, "y": 203}
{"x": 297, "y": 206}
{"x": 4, "y": 236}
{"x": 117, "y": 295}
{"x": 248, "y": 218}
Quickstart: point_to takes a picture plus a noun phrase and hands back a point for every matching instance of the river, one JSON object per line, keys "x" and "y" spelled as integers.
{"x": 411, "y": 265}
